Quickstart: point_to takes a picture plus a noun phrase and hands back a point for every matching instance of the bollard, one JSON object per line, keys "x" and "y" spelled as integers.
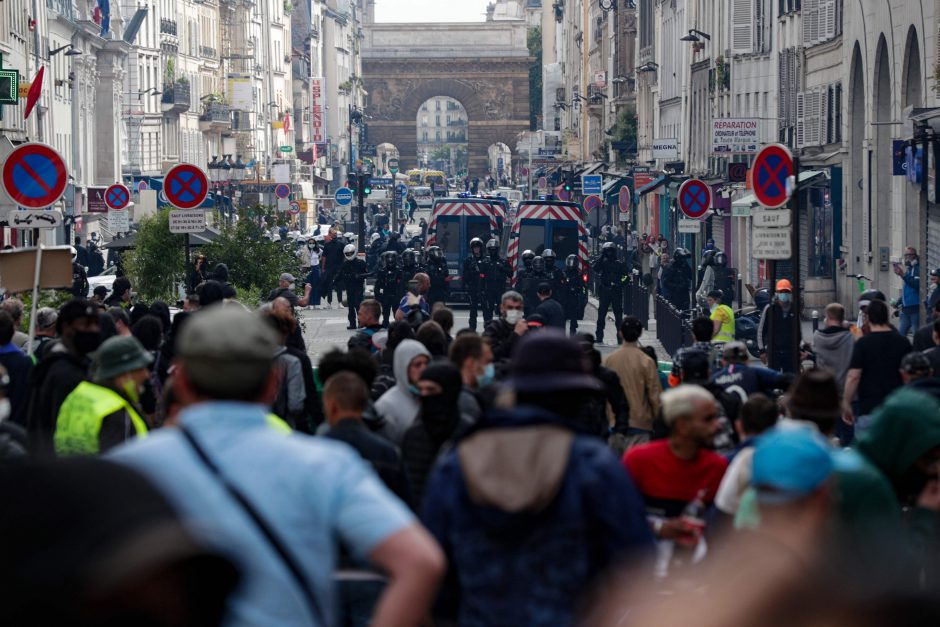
{"x": 815, "y": 321}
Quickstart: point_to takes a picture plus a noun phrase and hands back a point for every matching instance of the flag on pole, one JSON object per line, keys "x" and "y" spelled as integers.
{"x": 315, "y": 156}
{"x": 35, "y": 90}
{"x": 286, "y": 123}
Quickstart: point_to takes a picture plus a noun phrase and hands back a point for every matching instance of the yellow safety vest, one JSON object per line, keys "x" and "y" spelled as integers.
{"x": 84, "y": 410}
{"x": 726, "y": 332}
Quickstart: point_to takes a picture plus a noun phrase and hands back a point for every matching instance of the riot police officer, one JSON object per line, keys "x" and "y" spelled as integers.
{"x": 536, "y": 277}
{"x": 410, "y": 264}
{"x": 555, "y": 274}
{"x": 574, "y": 291}
{"x": 524, "y": 278}
{"x": 610, "y": 275}
{"x": 352, "y": 275}
{"x": 677, "y": 279}
{"x": 438, "y": 272}
{"x": 724, "y": 278}
{"x": 498, "y": 274}
{"x": 474, "y": 282}
{"x": 388, "y": 284}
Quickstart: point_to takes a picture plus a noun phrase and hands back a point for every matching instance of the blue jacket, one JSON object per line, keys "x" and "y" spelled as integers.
{"x": 910, "y": 295}
{"x": 530, "y": 566}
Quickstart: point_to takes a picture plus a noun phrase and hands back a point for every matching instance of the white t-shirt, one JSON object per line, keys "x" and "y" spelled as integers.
{"x": 737, "y": 479}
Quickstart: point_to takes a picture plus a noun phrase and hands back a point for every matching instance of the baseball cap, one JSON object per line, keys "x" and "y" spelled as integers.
{"x": 75, "y": 310}
{"x": 550, "y": 361}
{"x": 46, "y": 317}
{"x": 790, "y": 463}
{"x": 935, "y": 272}
{"x": 783, "y": 285}
{"x": 287, "y": 276}
{"x": 227, "y": 350}
{"x": 101, "y": 290}
{"x": 915, "y": 363}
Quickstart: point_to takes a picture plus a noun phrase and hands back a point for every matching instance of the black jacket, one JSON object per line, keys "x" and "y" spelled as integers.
{"x": 553, "y": 312}
{"x": 474, "y": 273}
{"x": 420, "y": 447}
{"x": 379, "y": 452}
{"x": 19, "y": 367}
{"x": 52, "y": 380}
{"x": 503, "y": 338}
{"x": 352, "y": 274}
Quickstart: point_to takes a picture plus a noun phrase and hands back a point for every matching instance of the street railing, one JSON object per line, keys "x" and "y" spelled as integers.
{"x": 636, "y": 302}
{"x": 672, "y": 327}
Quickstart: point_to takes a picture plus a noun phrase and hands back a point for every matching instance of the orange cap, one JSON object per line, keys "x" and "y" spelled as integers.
{"x": 783, "y": 285}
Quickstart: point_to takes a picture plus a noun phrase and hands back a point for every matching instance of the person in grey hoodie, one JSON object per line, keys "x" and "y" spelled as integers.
{"x": 399, "y": 406}
{"x": 833, "y": 344}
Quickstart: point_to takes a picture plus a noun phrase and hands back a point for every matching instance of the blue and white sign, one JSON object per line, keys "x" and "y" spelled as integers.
{"x": 343, "y": 196}
{"x": 380, "y": 181}
{"x": 592, "y": 184}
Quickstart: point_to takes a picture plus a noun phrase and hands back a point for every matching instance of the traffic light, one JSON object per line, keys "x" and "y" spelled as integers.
{"x": 353, "y": 183}
{"x": 569, "y": 181}
{"x": 366, "y": 185}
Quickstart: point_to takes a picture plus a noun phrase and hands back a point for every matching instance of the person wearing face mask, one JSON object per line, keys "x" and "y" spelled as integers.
{"x": 778, "y": 353}
{"x": 910, "y": 293}
{"x": 399, "y": 406}
{"x": 438, "y": 421}
{"x": 104, "y": 412}
{"x": 504, "y": 332}
{"x": 722, "y": 318}
{"x": 473, "y": 356}
{"x": 63, "y": 366}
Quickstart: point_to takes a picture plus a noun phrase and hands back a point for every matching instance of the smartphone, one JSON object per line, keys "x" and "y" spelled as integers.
{"x": 413, "y": 287}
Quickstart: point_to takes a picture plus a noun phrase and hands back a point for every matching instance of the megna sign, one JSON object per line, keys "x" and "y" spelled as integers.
{"x": 665, "y": 149}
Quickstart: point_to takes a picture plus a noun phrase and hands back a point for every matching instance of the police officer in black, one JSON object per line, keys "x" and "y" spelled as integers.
{"x": 352, "y": 275}
{"x": 677, "y": 279}
{"x": 411, "y": 264}
{"x": 610, "y": 275}
{"x": 438, "y": 272}
{"x": 524, "y": 278}
{"x": 573, "y": 292}
{"x": 724, "y": 278}
{"x": 79, "y": 277}
{"x": 474, "y": 281}
{"x": 388, "y": 284}
{"x": 498, "y": 274}
{"x": 537, "y": 276}
{"x": 556, "y": 275}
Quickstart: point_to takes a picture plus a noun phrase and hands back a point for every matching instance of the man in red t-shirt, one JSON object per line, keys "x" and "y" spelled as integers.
{"x": 669, "y": 473}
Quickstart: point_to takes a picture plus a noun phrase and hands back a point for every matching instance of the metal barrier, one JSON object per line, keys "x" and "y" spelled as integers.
{"x": 636, "y": 302}
{"x": 672, "y": 328}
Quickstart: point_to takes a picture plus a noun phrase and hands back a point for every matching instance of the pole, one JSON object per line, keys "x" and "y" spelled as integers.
{"x": 795, "y": 244}
{"x": 585, "y": 68}
{"x": 360, "y": 194}
{"x": 188, "y": 260}
{"x": 34, "y": 306}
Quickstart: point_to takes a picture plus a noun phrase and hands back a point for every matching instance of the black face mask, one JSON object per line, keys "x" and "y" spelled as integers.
{"x": 86, "y": 341}
{"x": 440, "y": 417}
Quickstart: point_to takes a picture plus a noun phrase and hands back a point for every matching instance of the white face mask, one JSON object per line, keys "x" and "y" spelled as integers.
{"x": 513, "y": 316}
{"x": 4, "y": 409}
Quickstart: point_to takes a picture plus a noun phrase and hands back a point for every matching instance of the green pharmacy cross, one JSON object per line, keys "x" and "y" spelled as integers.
{"x": 9, "y": 85}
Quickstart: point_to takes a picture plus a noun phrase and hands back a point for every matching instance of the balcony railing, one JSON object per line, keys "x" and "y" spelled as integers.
{"x": 62, "y": 7}
{"x": 216, "y": 116}
{"x": 176, "y": 98}
{"x": 168, "y": 26}
{"x": 207, "y": 52}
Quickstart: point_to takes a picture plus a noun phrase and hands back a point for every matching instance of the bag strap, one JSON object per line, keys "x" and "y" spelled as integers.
{"x": 300, "y": 579}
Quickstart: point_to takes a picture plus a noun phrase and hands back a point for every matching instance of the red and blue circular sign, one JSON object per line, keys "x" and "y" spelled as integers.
{"x": 771, "y": 174}
{"x": 117, "y": 197}
{"x": 623, "y": 199}
{"x": 282, "y": 190}
{"x": 695, "y": 198}
{"x": 34, "y": 176}
{"x": 592, "y": 203}
{"x": 294, "y": 207}
{"x": 185, "y": 186}
{"x": 564, "y": 195}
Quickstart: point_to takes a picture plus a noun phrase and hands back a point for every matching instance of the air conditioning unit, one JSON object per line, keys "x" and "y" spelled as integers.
{"x": 560, "y": 94}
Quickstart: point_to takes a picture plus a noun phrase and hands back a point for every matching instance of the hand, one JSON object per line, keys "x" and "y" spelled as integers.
{"x": 847, "y": 416}
{"x": 522, "y": 327}
{"x": 763, "y": 358}
{"x": 930, "y": 496}
{"x": 675, "y": 529}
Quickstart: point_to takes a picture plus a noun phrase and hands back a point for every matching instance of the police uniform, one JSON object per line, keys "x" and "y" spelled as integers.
{"x": 474, "y": 282}
{"x": 574, "y": 293}
{"x": 610, "y": 275}
{"x": 498, "y": 274}
{"x": 438, "y": 273}
{"x": 388, "y": 282}
{"x": 352, "y": 275}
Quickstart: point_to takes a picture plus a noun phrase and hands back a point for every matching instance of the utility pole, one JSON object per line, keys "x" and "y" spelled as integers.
{"x": 585, "y": 68}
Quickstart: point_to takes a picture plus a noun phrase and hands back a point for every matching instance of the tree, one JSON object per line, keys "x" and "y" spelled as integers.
{"x": 157, "y": 262}
{"x": 624, "y": 131}
{"x": 535, "y": 76}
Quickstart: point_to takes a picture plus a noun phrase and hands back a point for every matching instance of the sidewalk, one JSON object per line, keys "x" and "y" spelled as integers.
{"x": 649, "y": 336}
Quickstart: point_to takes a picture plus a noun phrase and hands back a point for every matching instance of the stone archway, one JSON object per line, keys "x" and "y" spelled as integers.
{"x": 403, "y": 65}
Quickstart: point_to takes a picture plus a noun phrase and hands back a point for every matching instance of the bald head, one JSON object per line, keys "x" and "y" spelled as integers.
{"x": 281, "y": 304}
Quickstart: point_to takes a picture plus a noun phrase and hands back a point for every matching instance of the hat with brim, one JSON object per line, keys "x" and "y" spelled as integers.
{"x": 118, "y": 355}
{"x": 549, "y": 361}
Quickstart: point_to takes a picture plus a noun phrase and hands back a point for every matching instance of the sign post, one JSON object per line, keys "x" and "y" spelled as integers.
{"x": 186, "y": 187}
{"x": 393, "y": 167}
{"x": 592, "y": 184}
{"x": 695, "y": 199}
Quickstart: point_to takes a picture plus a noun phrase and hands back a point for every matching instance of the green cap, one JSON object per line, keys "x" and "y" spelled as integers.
{"x": 118, "y": 355}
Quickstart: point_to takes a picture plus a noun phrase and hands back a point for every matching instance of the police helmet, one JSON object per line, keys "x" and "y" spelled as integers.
{"x": 527, "y": 257}
{"x": 389, "y": 259}
{"x": 538, "y": 264}
{"x": 349, "y": 251}
{"x": 681, "y": 253}
{"x": 571, "y": 261}
{"x": 435, "y": 252}
{"x": 708, "y": 258}
{"x": 475, "y": 243}
{"x": 409, "y": 257}
{"x": 492, "y": 246}
{"x": 609, "y": 250}
{"x": 74, "y": 252}
{"x": 375, "y": 237}
{"x": 721, "y": 260}
{"x": 762, "y": 298}
{"x": 549, "y": 256}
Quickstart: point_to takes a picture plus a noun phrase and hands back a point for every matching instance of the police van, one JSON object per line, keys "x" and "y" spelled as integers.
{"x": 455, "y": 222}
{"x": 544, "y": 224}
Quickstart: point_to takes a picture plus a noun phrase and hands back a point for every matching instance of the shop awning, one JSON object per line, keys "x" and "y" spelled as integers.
{"x": 612, "y": 186}
{"x": 591, "y": 169}
{"x": 748, "y": 200}
{"x": 810, "y": 176}
{"x": 652, "y": 185}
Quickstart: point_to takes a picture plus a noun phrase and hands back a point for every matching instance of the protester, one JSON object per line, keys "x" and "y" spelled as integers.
{"x": 223, "y": 446}
{"x": 525, "y": 480}
{"x": 549, "y": 308}
{"x": 291, "y": 396}
{"x": 369, "y": 321}
{"x": 779, "y": 350}
{"x": 923, "y": 337}
{"x": 739, "y": 377}
{"x": 104, "y": 412}
{"x": 504, "y": 332}
{"x": 431, "y": 335}
{"x": 757, "y": 415}
{"x": 909, "y": 303}
{"x": 833, "y": 344}
{"x": 473, "y": 357}
{"x": 918, "y": 373}
{"x": 444, "y": 317}
{"x": 398, "y": 407}
{"x": 607, "y": 415}
{"x": 285, "y": 289}
{"x": 14, "y": 307}
{"x": 638, "y": 375}
{"x": 120, "y": 293}
{"x": 17, "y": 370}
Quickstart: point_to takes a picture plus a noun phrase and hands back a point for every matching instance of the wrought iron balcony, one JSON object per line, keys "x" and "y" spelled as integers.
{"x": 167, "y": 26}
{"x": 176, "y": 98}
{"x": 217, "y": 117}
{"x": 207, "y": 52}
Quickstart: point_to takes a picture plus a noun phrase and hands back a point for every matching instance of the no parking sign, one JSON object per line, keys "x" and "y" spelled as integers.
{"x": 695, "y": 198}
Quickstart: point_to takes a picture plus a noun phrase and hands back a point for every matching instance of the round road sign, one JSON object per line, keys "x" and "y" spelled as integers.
{"x": 563, "y": 195}
{"x": 592, "y": 202}
{"x": 393, "y": 166}
{"x": 624, "y": 201}
{"x": 343, "y": 196}
{"x": 34, "y": 176}
{"x": 294, "y": 207}
{"x": 142, "y": 186}
{"x": 772, "y": 170}
{"x": 117, "y": 197}
{"x": 695, "y": 198}
{"x": 282, "y": 190}
{"x": 185, "y": 186}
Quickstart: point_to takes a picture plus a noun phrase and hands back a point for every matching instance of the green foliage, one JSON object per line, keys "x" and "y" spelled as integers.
{"x": 254, "y": 263}
{"x": 47, "y": 298}
{"x": 156, "y": 264}
{"x": 625, "y": 129}
{"x": 535, "y": 77}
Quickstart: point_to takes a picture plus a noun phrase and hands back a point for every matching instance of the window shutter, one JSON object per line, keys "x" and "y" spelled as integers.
{"x": 742, "y": 26}
{"x": 783, "y": 100}
{"x": 837, "y": 113}
{"x": 828, "y": 20}
{"x": 823, "y": 116}
{"x": 810, "y": 15}
{"x": 800, "y": 119}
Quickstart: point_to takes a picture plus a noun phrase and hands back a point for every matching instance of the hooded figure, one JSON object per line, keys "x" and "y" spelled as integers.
{"x": 221, "y": 275}
{"x": 399, "y": 406}
{"x": 437, "y": 423}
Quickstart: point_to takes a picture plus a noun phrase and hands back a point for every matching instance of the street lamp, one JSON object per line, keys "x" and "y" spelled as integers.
{"x": 73, "y": 51}
{"x": 694, "y": 35}
{"x": 649, "y": 66}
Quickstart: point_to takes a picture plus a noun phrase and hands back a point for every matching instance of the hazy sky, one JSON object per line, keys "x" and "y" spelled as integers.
{"x": 430, "y": 10}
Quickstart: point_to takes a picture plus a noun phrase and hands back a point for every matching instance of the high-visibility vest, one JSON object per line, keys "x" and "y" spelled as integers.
{"x": 82, "y": 414}
{"x": 726, "y": 332}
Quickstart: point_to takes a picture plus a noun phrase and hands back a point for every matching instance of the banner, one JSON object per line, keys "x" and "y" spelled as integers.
{"x": 316, "y": 109}
{"x": 240, "y": 92}
{"x": 736, "y": 136}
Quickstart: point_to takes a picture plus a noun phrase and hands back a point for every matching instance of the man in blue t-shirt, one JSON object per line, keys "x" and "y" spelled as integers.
{"x": 744, "y": 380}
{"x": 413, "y": 302}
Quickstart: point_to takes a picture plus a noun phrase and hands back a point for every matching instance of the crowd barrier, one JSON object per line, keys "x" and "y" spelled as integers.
{"x": 672, "y": 328}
